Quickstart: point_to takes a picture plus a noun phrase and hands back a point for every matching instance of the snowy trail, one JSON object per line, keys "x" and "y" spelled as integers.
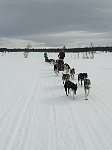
{"x": 36, "y": 114}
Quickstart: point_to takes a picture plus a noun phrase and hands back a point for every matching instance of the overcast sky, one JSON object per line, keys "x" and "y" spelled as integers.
{"x": 55, "y": 23}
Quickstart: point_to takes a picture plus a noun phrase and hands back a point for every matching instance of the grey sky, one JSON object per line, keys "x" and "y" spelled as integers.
{"x": 55, "y": 23}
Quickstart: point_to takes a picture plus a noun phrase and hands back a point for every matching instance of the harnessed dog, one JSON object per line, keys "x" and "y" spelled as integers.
{"x": 72, "y": 72}
{"x": 56, "y": 70}
{"x": 66, "y": 67}
{"x": 70, "y": 86}
{"x": 65, "y": 77}
{"x": 81, "y": 77}
{"x": 87, "y": 84}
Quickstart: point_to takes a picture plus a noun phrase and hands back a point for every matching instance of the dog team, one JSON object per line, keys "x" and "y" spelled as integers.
{"x": 68, "y": 74}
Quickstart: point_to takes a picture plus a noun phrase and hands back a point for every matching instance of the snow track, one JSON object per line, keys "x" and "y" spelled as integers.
{"x": 36, "y": 114}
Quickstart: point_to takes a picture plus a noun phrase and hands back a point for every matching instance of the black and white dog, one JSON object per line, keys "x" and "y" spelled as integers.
{"x": 81, "y": 77}
{"x": 66, "y": 67}
{"x": 70, "y": 86}
{"x": 65, "y": 77}
{"x": 87, "y": 84}
{"x": 52, "y": 61}
{"x": 72, "y": 73}
{"x": 56, "y": 70}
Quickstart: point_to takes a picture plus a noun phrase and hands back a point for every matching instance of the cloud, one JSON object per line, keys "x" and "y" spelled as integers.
{"x": 18, "y": 43}
{"x": 69, "y": 39}
{"x": 24, "y": 18}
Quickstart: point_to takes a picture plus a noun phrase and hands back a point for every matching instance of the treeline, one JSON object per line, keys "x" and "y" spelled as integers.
{"x": 74, "y": 50}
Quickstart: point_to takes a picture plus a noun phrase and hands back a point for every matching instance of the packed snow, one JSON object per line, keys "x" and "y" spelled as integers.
{"x": 36, "y": 114}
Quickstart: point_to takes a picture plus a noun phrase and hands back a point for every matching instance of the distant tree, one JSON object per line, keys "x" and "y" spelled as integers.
{"x": 29, "y": 46}
{"x": 64, "y": 47}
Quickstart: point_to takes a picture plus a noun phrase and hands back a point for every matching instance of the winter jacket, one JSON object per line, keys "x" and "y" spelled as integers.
{"x": 61, "y": 55}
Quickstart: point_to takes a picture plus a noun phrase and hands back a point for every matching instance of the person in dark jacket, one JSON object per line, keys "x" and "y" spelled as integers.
{"x": 61, "y": 55}
{"x": 46, "y": 57}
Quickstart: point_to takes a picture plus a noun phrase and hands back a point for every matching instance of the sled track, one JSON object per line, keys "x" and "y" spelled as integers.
{"x": 37, "y": 114}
